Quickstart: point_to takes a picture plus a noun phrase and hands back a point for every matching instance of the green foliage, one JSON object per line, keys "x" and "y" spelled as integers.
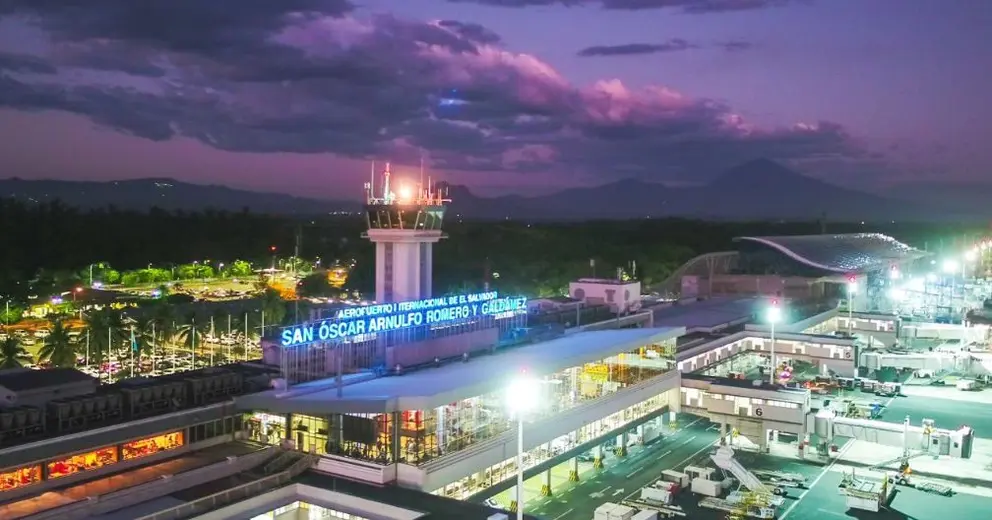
{"x": 150, "y": 275}
{"x": 274, "y": 307}
{"x": 105, "y": 329}
{"x": 13, "y": 354}
{"x": 11, "y": 314}
{"x": 316, "y": 285}
{"x": 531, "y": 258}
{"x": 59, "y": 348}
{"x": 238, "y": 269}
{"x": 195, "y": 271}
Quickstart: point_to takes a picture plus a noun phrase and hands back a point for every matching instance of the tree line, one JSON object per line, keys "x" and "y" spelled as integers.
{"x": 49, "y": 246}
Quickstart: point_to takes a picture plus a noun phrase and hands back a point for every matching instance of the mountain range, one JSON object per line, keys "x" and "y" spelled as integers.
{"x": 760, "y": 189}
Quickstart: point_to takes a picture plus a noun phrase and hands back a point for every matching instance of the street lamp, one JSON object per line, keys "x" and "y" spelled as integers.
{"x": 521, "y": 397}
{"x": 852, "y": 288}
{"x": 950, "y": 266}
{"x": 773, "y": 317}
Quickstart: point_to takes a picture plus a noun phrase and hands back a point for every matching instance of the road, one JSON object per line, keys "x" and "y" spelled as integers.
{"x": 620, "y": 480}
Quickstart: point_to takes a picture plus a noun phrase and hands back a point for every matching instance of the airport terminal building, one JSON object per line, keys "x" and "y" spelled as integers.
{"x": 411, "y": 395}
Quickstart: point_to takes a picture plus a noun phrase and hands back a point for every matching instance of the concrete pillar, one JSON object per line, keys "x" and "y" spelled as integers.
{"x": 723, "y": 433}
{"x": 573, "y": 473}
{"x": 440, "y": 429}
{"x": 621, "y": 449}
{"x": 513, "y": 503}
{"x": 546, "y": 487}
{"x": 763, "y": 445}
{"x": 597, "y": 454}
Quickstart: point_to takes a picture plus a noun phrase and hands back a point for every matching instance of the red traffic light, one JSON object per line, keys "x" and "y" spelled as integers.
{"x": 272, "y": 248}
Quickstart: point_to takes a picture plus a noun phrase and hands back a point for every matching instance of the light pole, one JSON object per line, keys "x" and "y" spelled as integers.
{"x": 852, "y": 288}
{"x": 950, "y": 268}
{"x": 521, "y": 397}
{"x": 774, "y": 316}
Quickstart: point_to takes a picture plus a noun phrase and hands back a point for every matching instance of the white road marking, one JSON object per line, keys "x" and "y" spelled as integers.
{"x": 563, "y": 515}
{"x": 687, "y": 441}
{"x": 683, "y": 461}
{"x": 813, "y": 484}
{"x": 636, "y": 471}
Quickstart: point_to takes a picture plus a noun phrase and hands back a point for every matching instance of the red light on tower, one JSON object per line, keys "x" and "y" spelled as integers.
{"x": 272, "y": 248}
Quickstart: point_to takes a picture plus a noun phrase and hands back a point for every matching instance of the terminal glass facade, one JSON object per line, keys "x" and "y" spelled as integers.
{"x": 20, "y": 477}
{"x": 82, "y": 462}
{"x": 479, "y": 482}
{"x": 151, "y": 445}
{"x": 310, "y": 433}
{"x": 266, "y": 428}
{"x": 424, "y": 435}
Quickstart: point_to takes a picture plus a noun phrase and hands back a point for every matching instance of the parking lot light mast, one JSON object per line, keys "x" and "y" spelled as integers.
{"x": 521, "y": 397}
{"x": 774, "y": 315}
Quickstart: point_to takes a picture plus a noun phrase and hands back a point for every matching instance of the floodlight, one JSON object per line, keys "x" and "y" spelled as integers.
{"x": 522, "y": 394}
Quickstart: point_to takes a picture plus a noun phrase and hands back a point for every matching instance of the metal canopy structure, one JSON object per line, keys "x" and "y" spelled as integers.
{"x": 845, "y": 253}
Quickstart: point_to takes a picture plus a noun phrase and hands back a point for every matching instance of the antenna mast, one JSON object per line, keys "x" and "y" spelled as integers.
{"x": 372, "y": 183}
{"x": 385, "y": 188}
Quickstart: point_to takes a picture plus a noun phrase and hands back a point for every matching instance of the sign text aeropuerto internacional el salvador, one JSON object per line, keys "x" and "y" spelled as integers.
{"x": 385, "y": 317}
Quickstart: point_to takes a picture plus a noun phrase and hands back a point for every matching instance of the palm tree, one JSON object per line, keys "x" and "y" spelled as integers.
{"x": 105, "y": 329}
{"x": 191, "y": 335}
{"x": 13, "y": 354}
{"x": 273, "y": 307}
{"x": 59, "y": 348}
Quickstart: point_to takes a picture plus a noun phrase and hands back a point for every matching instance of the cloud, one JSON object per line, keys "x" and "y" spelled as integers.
{"x": 736, "y": 45}
{"x": 685, "y": 6}
{"x": 673, "y": 45}
{"x": 304, "y": 76}
{"x": 471, "y": 31}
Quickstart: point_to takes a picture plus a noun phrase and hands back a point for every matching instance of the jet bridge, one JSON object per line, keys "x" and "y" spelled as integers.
{"x": 826, "y": 425}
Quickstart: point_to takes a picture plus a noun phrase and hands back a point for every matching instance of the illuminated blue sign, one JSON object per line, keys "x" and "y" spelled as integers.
{"x": 385, "y": 317}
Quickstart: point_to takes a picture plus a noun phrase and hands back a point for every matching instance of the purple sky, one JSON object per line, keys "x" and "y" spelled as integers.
{"x": 300, "y": 95}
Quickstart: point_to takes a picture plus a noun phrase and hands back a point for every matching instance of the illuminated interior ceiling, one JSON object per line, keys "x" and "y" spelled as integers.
{"x": 847, "y": 253}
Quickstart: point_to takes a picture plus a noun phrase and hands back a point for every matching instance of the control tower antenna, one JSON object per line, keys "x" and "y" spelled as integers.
{"x": 404, "y": 229}
{"x": 386, "y": 194}
{"x": 370, "y": 186}
{"x": 420, "y": 188}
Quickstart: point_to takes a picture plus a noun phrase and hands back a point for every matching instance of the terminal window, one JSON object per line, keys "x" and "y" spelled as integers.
{"x": 20, "y": 477}
{"x": 95, "y": 459}
{"x": 310, "y": 433}
{"x": 151, "y": 445}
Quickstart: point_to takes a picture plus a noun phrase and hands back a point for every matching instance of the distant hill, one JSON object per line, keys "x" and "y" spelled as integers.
{"x": 760, "y": 189}
{"x": 168, "y": 194}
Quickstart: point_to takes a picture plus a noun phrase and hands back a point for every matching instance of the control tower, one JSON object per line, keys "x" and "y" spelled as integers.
{"x": 404, "y": 225}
